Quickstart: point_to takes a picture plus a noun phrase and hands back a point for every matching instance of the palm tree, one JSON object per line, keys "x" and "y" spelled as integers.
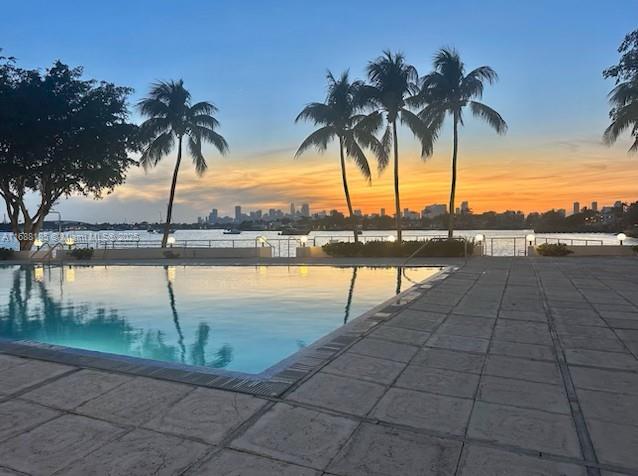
{"x": 392, "y": 83}
{"x": 171, "y": 117}
{"x": 447, "y": 90}
{"x": 340, "y": 117}
{"x": 624, "y": 112}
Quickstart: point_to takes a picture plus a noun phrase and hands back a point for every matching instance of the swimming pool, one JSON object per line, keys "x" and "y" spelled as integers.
{"x": 238, "y": 318}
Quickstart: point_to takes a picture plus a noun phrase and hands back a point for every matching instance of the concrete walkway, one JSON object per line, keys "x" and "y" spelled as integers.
{"x": 508, "y": 367}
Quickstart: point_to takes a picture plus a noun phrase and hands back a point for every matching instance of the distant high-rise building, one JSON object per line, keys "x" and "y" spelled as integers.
{"x": 406, "y": 212}
{"x": 561, "y": 211}
{"x": 292, "y": 209}
{"x": 305, "y": 209}
{"x": 382, "y": 212}
{"x": 576, "y": 208}
{"x": 465, "y": 207}
{"x": 594, "y": 206}
{"x": 618, "y": 204}
{"x": 213, "y": 215}
{"x": 357, "y": 213}
{"x": 432, "y": 211}
{"x": 237, "y": 213}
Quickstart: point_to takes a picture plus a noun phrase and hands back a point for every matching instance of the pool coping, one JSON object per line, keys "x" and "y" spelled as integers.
{"x": 272, "y": 382}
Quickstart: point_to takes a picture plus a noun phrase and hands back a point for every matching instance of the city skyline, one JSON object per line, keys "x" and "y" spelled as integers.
{"x": 555, "y": 124}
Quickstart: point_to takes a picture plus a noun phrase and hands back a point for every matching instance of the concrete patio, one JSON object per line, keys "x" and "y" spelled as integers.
{"x": 510, "y": 366}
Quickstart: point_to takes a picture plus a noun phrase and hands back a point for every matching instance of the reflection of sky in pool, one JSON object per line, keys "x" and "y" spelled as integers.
{"x": 240, "y": 318}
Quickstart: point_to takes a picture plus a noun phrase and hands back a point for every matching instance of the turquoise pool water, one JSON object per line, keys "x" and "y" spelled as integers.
{"x": 239, "y": 318}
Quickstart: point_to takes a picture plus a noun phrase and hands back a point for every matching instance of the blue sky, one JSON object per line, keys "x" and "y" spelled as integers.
{"x": 260, "y": 62}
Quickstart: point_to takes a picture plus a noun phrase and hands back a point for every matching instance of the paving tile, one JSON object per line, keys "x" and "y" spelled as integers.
{"x": 443, "y": 414}
{"x": 605, "y": 380}
{"x": 398, "y": 334}
{"x": 384, "y": 349}
{"x": 613, "y": 407}
{"x": 8, "y": 361}
{"x": 135, "y": 402}
{"x": 450, "y": 360}
{"x": 365, "y": 368}
{"x": 623, "y": 323}
{"x": 339, "y": 393}
{"x": 614, "y": 443}
{"x": 297, "y": 435}
{"x": 593, "y": 343}
{"x": 73, "y": 390}
{"x": 465, "y": 344}
{"x": 55, "y": 444}
{"x": 447, "y": 382}
{"x": 379, "y": 451}
{"x": 522, "y": 393}
{"x": 17, "y": 378}
{"x": 597, "y": 358}
{"x": 522, "y": 331}
{"x": 417, "y": 320}
{"x": 523, "y": 315}
{"x": 585, "y": 331}
{"x": 524, "y": 428}
{"x": 467, "y": 326}
{"x": 137, "y": 453}
{"x": 207, "y": 414}
{"x": 513, "y": 367}
{"x": 17, "y": 416}
{"x": 528, "y": 351}
{"x": 481, "y": 461}
{"x": 234, "y": 463}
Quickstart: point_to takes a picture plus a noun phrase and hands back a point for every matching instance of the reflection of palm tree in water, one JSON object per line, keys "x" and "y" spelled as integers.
{"x": 350, "y": 294}
{"x": 178, "y": 328}
{"x": 399, "y": 272}
{"x": 198, "y": 349}
{"x": 32, "y": 318}
{"x": 223, "y": 356}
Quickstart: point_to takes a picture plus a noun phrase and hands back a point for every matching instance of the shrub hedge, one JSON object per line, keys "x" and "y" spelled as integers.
{"x": 384, "y": 249}
{"x": 6, "y": 253}
{"x": 553, "y": 249}
{"x": 82, "y": 253}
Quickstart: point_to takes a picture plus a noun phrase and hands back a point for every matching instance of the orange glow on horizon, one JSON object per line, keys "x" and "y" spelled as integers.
{"x": 525, "y": 180}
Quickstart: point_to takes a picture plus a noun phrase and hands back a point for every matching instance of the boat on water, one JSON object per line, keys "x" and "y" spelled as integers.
{"x": 232, "y": 232}
{"x": 291, "y": 231}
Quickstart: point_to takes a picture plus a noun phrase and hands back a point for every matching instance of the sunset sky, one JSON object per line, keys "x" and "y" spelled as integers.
{"x": 261, "y": 62}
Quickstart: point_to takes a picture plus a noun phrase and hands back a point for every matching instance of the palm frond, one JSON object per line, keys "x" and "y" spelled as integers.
{"x": 354, "y": 151}
{"x": 153, "y": 127}
{"x": 319, "y": 139}
{"x": 156, "y": 150}
{"x": 622, "y": 119}
{"x": 420, "y": 130}
{"x": 195, "y": 148}
{"x": 316, "y": 112}
{"x": 204, "y": 134}
{"x": 489, "y": 115}
{"x": 203, "y": 108}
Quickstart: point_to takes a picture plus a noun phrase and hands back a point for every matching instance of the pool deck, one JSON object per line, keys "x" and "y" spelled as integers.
{"x": 510, "y": 366}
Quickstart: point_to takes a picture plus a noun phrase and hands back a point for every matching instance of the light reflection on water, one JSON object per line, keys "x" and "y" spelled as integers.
{"x": 243, "y": 319}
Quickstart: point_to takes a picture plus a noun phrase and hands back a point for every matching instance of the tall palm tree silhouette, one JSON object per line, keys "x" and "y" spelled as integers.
{"x": 448, "y": 90}
{"x": 340, "y": 117}
{"x": 172, "y": 117}
{"x": 392, "y": 83}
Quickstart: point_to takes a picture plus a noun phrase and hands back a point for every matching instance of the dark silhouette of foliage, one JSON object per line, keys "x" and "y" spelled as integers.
{"x": 172, "y": 118}
{"x": 623, "y": 99}
{"x": 59, "y": 135}
{"x": 393, "y": 83}
{"x": 340, "y": 118}
{"x": 448, "y": 90}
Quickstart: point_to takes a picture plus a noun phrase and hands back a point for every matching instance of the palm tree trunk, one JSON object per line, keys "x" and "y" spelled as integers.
{"x": 169, "y": 212}
{"x": 347, "y": 192}
{"x": 450, "y": 229}
{"x": 397, "y": 202}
